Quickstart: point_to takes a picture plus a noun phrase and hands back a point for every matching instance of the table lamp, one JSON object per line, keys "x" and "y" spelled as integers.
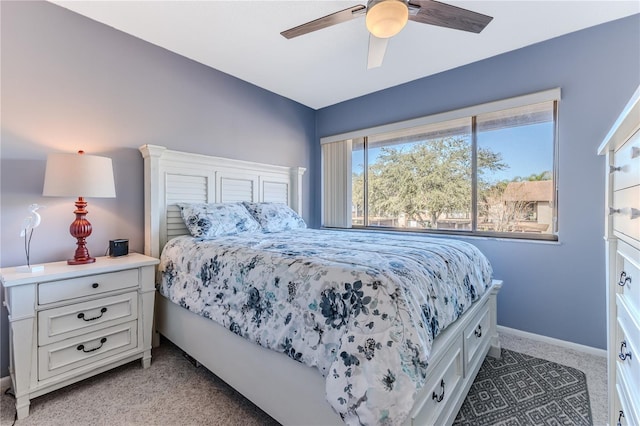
{"x": 79, "y": 175}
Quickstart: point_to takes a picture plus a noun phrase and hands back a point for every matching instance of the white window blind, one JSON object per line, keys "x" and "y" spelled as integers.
{"x": 336, "y": 184}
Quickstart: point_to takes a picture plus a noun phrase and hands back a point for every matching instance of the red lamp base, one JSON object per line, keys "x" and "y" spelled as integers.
{"x": 80, "y": 229}
{"x": 80, "y": 261}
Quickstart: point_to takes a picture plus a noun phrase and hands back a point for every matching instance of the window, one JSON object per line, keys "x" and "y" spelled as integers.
{"x": 486, "y": 170}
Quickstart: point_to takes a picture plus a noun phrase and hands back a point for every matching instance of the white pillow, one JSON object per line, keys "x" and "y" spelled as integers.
{"x": 217, "y": 219}
{"x": 275, "y": 217}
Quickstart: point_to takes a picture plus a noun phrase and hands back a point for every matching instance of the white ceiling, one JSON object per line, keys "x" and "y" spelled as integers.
{"x": 242, "y": 38}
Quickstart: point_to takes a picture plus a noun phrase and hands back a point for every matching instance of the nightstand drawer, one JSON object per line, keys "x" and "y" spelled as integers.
{"x": 69, "y": 354}
{"x": 80, "y": 318}
{"x": 73, "y": 288}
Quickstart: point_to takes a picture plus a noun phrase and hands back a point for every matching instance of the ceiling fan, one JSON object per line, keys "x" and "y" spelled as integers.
{"x": 386, "y": 18}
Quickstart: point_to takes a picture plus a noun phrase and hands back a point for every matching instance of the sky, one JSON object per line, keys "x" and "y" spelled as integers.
{"x": 526, "y": 150}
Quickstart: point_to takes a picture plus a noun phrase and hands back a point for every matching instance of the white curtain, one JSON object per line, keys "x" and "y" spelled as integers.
{"x": 336, "y": 184}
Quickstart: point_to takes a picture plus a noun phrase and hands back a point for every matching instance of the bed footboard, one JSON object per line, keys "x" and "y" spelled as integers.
{"x": 288, "y": 391}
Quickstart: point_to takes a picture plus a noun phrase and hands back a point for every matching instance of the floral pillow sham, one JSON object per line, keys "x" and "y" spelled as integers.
{"x": 217, "y": 219}
{"x": 275, "y": 217}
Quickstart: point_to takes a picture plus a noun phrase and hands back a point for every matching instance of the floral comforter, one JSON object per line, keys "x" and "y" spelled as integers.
{"x": 363, "y": 308}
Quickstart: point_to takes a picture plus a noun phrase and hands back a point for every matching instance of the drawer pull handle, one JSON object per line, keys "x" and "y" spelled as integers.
{"x": 102, "y": 311}
{"x": 624, "y": 279}
{"x": 633, "y": 213}
{"x": 622, "y": 355}
{"x": 102, "y": 342}
{"x": 95, "y": 285}
{"x": 478, "y": 331}
{"x": 620, "y": 416}
{"x": 613, "y": 169}
{"x": 435, "y": 396}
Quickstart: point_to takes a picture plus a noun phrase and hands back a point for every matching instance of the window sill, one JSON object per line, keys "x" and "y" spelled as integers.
{"x": 549, "y": 240}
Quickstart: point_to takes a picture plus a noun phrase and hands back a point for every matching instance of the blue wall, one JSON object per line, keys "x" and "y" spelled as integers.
{"x": 556, "y": 290}
{"x": 70, "y": 83}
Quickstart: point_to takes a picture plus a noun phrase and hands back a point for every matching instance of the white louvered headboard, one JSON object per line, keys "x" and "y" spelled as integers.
{"x": 172, "y": 177}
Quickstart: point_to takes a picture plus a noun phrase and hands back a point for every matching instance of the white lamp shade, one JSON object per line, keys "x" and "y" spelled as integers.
{"x": 385, "y": 18}
{"x": 78, "y": 175}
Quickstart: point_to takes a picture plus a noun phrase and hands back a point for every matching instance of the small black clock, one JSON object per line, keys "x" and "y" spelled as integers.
{"x": 118, "y": 247}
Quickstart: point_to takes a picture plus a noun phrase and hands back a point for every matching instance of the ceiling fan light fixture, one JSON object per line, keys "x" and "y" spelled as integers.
{"x": 386, "y": 18}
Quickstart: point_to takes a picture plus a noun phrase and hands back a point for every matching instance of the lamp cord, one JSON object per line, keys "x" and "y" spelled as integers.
{"x": 9, "y": 392}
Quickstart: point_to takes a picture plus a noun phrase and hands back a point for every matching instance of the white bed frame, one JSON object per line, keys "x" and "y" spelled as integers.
{"x": 289, "y": 391}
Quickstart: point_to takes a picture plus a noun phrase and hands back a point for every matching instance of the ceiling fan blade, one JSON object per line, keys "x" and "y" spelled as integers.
{"x": 377, "y": 49}
{"x": 444, "y": 15}
{"x": 326, "y": 21}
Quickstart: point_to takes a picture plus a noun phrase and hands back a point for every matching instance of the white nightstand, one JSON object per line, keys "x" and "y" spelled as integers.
{"x": 68, "y": 323}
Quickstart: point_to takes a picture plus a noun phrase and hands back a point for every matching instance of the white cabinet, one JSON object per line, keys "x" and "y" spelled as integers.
{"x": 68, "y": 323}
{"x": 622, "y": 236}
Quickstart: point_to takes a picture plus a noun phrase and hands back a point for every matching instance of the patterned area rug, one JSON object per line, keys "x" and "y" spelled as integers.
{"x": 520, "y": 390}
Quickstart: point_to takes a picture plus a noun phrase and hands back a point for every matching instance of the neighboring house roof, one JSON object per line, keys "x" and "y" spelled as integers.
{"x": 529, "y": 191}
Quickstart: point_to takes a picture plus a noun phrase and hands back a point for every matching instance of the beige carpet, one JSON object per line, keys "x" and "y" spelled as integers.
{"x": 173, "y": 392}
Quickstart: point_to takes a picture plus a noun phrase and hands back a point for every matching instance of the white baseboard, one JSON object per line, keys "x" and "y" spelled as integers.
{"x": 5, "y": 383}
{"x": 563, "y": 343}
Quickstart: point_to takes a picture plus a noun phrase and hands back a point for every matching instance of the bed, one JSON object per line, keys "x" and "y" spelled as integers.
{"x": 276, "y": 380}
